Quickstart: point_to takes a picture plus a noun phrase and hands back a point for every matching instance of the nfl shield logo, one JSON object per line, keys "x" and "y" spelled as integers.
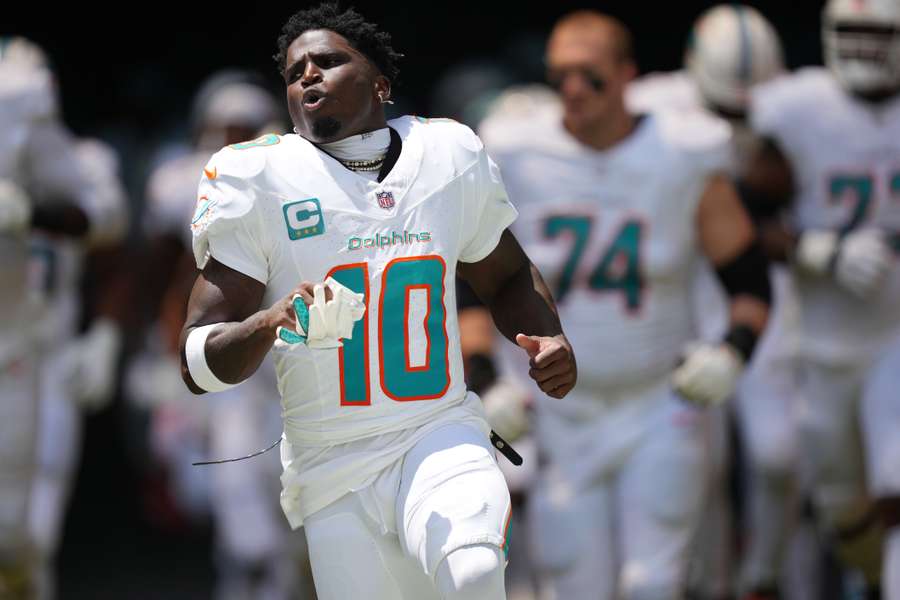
{"x": 385, "y": 200}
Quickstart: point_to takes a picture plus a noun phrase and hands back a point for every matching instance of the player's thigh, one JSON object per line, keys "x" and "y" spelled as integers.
{"x": 351, "y": 557}
{"x": 18, "y": 411}
{"x": 18, "y": 447}
{"x": 452, "y": 494}
{"x": 59, "y": 421}
{"x": 766, "y": 404}
{"x": 660, "y": 496}
{"x": 881, "y": 423}
{"x": 830, "y": 432}
{"x": 573, "y": 540}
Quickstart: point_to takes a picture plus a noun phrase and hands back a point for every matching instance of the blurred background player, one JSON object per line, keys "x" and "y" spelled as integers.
{"x": 632, "y": 204}
{"x": 733, "y": 48}
{"x": 78, "y": 372}
{"x": 257, "y": 557}
{"x": 832, "y": 160}
{"x": 46, "y": 191}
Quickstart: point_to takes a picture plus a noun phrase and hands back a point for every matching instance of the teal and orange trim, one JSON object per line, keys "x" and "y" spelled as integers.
{"x": 507, "y": 526}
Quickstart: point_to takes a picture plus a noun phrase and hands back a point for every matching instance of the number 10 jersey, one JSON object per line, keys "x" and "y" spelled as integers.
{"x": 279, "y": 210}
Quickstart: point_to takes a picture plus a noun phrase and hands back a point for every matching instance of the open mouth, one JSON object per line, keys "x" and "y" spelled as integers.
{"x": 312, "y": 100}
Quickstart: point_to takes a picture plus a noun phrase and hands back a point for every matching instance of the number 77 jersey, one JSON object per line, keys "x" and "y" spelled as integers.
{"x": 280, "y": 211}
{"x": 844, "y": 153}
{"x": 613, "y": 232}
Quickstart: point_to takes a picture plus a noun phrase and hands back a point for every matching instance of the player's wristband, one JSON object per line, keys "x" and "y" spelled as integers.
{"x": 195, "y": 353}
{"x": 743, "y": 339}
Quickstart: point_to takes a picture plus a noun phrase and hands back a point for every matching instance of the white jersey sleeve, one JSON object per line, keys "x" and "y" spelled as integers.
{"x": 226, "y": 223}
{"x": 781, "y": 109}
{"x": 487, "y": 214}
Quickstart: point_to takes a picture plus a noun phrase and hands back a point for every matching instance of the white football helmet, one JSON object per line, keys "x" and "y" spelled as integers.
{"x": 861, "y": 39}
{"x": 732, "y": 48}
{"x": 21, "y": 52}
{"x": 232, "y": 98}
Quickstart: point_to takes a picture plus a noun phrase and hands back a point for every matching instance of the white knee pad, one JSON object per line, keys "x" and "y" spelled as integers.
{"x": 556, "y": 520}
{"x": 652, "y": 591}
{"x": 472, "y": 572}
{"x": 651, "y": 581}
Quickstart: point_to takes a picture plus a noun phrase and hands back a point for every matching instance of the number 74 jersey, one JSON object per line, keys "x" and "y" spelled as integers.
{"x": 613, "y": 232}
{"x": 279, "y": 210}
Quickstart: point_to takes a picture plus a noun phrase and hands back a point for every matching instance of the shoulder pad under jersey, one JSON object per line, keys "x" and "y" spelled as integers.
{"x": 701, "y": 138}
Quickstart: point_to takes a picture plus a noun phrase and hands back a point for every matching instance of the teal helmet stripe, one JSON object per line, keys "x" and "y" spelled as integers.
{"x": 745, "y": 64}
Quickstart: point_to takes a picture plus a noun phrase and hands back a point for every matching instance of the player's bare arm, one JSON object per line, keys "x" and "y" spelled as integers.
{"x": 767, "y": 188}
{"x": 20, "y": 213}
{"x": 727, "y": 235}
{"x": 237, "y": 346}
{"x": 511, "y": 287}
{"x": 709, "y": 372}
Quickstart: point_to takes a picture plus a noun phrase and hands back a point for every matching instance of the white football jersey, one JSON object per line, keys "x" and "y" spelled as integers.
{"x": 679, "y": 92}
{"x": 38, "y": 154}
{"x": 279, "y": 210}
{"x": 55, "y": 266}
{"x": 613, "y": 233}
{"x": 845, "y": 156}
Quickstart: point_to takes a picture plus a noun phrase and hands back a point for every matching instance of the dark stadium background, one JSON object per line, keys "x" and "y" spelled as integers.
{"x": 127, "y": 73}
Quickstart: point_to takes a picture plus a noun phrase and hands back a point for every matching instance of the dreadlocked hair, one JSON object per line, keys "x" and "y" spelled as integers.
{"x": 362, "y": 35}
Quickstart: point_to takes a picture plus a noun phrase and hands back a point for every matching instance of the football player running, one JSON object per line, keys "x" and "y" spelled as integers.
{"x": 43, "y": 189}
{"x": 618, "y": 208}
{"x": 387, "y": 460}
{"x": 832, "y": 158}
{"x": 732, "y": 49}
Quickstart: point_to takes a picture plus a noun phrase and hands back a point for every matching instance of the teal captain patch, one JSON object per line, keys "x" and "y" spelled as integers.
{"x": 303, "y": 218}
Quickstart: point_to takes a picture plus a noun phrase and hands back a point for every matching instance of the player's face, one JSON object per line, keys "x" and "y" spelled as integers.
{"x": 332, "y": 89}
{"x": 590, "y": 77}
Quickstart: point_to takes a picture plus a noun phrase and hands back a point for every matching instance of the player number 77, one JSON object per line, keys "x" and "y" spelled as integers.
{"x": 859, "y": 190}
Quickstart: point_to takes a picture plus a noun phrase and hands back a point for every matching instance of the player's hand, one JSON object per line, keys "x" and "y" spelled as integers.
{"x": 506, "y": 406}
{"x": 552, "y": 363}
{"x": 15, "y": 208}
{"x": 815, "y": 250}
{"x": 91, "y": 363}
{"x": 317, "y": 314}
{"x": 863, "y": 261}
{"x": 709, "y": 373}
{"x": 860, "y": 260}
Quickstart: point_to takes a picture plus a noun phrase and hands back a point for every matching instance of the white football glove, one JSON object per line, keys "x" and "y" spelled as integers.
{"x": 709, "y": 373}
{"x": 15, "y": 208}
{"x": 322, "y": 324}
{"x": 92, "y": 360}
{"x": 506, "y": 406}
{"x": 861, "y": 259}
